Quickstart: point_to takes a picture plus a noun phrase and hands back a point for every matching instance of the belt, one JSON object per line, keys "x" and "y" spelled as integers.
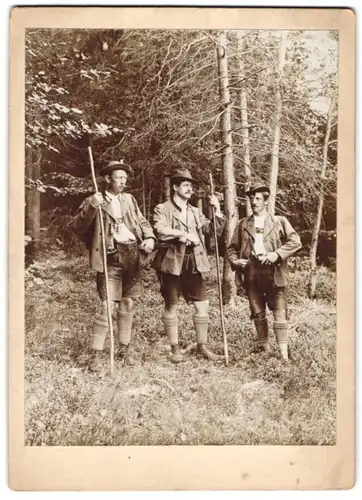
{"x": 255, "y": 260}
{"x": 127, "y": 242}
{"x": 117, "y": 245}
{"x": 257, "y": 264}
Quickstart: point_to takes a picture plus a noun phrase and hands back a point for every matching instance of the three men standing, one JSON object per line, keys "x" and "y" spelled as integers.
{"x": 258, "y": 254}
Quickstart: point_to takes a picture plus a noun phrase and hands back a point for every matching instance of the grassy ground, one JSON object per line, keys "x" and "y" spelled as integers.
{"x": 256, "y": 400}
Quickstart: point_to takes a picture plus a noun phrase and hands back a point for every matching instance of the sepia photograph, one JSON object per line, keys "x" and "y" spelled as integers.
{"x": 180, "y": 217}
{"x": 174, "y": 137}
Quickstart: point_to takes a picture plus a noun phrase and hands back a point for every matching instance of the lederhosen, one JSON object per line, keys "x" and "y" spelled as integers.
{"x": 190, "y": 283}
{"x": 123, "y": 265}
{"x": 260, "y": 287}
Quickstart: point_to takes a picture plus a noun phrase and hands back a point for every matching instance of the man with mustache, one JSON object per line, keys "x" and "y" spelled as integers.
{"x": 182, "y": 262}
{"x": 258, "y": 254}
{"x": 129, "y": 239}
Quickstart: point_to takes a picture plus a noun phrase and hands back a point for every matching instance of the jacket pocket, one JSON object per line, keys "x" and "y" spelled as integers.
{"x": 201, "y": 259}
{"x": 171, "y": 263}
{"x": 281, "y": 276}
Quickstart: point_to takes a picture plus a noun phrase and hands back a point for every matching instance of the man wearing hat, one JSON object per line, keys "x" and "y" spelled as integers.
{"x": 258, "y": 254}
{"x": 129, "y": 238}
{"x": 182, "y": 262}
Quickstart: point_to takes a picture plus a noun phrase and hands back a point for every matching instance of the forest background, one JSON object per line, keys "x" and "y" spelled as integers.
{"x": 244, "y": 106}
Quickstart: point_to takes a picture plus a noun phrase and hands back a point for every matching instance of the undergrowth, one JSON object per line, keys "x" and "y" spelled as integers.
{"x": 256, "y": 400}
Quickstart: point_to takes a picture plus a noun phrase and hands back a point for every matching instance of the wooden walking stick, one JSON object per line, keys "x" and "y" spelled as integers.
{"x": 219, "y": 279}
{"x": 104, "y": 251}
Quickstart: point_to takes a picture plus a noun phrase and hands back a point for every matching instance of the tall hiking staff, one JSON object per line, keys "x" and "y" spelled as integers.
{"x": 104, "y": 251}
{"x": 219, "y": 279}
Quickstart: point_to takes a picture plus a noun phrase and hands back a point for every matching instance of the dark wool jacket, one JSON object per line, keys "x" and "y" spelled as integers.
{"x": 86, "y": 224}
{"x": 167, "y": 226}
{"x": 279, "y": 237}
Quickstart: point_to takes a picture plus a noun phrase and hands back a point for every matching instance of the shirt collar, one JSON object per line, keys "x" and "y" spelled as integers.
{"x": 111, "y": 196}
{"x": 177, "y": 206}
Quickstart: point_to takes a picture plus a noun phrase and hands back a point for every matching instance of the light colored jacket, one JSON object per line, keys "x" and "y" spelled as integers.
{"x": 86, "y": 224}
{"x": 279, "y": 237}
{"x": 167, "y": 225}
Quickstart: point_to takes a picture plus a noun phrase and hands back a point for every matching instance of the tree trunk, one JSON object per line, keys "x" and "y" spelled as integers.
{"x": 315, "y": 236}
{"x": 209, "y": 237}
{"x": 32, "y": 203}
{"x": 274, "y": 168}
{"x": 244, "y": 120}
{"x": 143, "y": 193}
{"x": 149, "y": 213}
{"x": 229, "y": 290}
{"x": 166, "y": 188}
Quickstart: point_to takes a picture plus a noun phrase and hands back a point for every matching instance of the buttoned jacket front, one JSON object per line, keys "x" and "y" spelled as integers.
{"x": 279, "y": 236}
{"x": 168, "y": 223}
{"x": 86, "y": 224}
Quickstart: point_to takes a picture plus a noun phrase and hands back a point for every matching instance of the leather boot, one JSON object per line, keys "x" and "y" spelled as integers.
{"x": 207, "y": 352}
{"x": 95, "y": 363}
{"x": 262, "y": 329}
{"x": 124, "y": 355}
{"x": 177, "y": 356}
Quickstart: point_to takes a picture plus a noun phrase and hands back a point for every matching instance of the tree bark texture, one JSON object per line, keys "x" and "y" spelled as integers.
{"x": 274, "y": 167}
{"x": 312, "y": 286}
{"x": 32, "y": 202}
{"x": 229, "y": 290}
{"x": 244, "y": 119}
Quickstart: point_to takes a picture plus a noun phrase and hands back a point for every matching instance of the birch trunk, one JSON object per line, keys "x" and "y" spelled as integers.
{"x": 32, "y": 203}
{"x": 228, "y": 285}
{"x": 166, "y": 188}
{"x": 274, "y": 167}
{"x": 312, "y": 285}
{"x": 244, "y": 120}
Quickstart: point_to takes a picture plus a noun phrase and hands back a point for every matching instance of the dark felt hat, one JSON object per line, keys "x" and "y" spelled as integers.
{"x": 258, "y": 187}
{"x": 182, "y": 174}
{"x": 115, "y": 165}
